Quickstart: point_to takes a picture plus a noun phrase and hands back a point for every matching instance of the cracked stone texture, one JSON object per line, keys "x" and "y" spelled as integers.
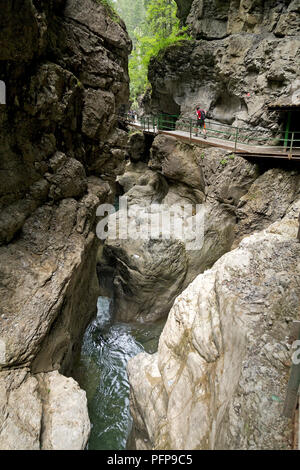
{"x": 215, "y": 19}
{"x": 177, "y": 174}
{"x": 219, "y": 378}
{"x": 43, "y": 411}
{"x": 64, "y": 63}
{"x": 267, "y": 200}
{"x": 67, "y": 100}
{"x": 238, "y": 198}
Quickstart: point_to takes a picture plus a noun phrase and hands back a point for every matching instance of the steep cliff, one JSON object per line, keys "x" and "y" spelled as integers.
{"x": 64, "y": 64}
{"x": 215, "y": 19}
{"x": 220, "y": 376}
{"x": 236, "y": 197}
{"x": 244, "y": 55}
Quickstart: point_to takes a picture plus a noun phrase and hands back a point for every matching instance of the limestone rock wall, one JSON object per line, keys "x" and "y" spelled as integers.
{"x": 237, "y": 197}
{"x": 176, "y": 175}
{"x": 215, "y": 19}
{"x": 245, "y": 56}
{"x": 64, "y": 63}
{"x": 220, "y": 375}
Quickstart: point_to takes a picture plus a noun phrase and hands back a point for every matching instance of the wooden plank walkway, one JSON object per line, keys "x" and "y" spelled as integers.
{"x": 245, "y": 150}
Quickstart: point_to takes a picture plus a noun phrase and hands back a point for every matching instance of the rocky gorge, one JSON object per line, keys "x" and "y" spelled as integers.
{"x": 64, "y": 64}
{"x": 242, "y": 57}
{"x": 219, "y": 376}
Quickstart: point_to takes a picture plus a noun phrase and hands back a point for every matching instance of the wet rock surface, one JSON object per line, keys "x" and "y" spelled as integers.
{"x": 267, "y": 200}
{"x": 223, "y": 357}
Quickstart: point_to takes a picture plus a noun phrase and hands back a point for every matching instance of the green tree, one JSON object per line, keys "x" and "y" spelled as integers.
{"x": 152, "y": 26}
{"x": 133, "y": 12}
{"x": 161, "y": 17}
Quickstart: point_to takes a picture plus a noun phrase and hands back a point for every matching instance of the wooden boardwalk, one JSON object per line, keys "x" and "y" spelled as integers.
{"x": 245, "y": 150}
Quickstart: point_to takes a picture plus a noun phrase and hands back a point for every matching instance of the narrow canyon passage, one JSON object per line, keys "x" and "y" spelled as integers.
{"x": 101, "y": 372}
{"x": 173, "y": 332}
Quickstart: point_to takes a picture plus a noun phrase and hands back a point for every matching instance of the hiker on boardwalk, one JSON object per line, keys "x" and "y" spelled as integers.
{"x": 201, "y": 115}
{"x": 131, "y": 115}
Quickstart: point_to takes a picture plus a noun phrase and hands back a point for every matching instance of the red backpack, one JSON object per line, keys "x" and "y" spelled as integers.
{"x": 201, "y": 114}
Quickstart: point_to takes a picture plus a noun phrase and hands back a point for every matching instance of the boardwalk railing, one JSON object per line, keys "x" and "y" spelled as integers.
{"x": 241, "y": 135}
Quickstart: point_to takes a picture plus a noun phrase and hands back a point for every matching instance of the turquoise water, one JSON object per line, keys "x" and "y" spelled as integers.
{"x": 101, "y": 371}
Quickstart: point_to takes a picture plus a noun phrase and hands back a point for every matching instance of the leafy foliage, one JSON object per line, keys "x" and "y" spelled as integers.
{"x": 152, "y": 25}
{"x": 133, "y": 12}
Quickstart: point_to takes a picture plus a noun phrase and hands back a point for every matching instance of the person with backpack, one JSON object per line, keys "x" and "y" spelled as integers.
{"x": 201, "y": 115}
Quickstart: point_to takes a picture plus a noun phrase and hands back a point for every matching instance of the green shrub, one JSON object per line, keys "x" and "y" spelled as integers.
{"x": 108, "y": 4}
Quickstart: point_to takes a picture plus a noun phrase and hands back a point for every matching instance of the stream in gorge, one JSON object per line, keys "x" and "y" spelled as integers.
{"x": 101, "y": 371}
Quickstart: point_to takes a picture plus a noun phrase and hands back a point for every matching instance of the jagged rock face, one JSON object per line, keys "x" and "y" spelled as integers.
{"x": 64, "y": 64}
{"x": 243, "y": 60}
{"x": 44, "y": 275}
{"x": 68, "y": 103}
{"x": 137, "y": 146}
{"x": 215, "y": 19}
{"x": 220, "y": 376}
{"x": 266, "y": 201}
{"x": 176, "y": 175}
{"x": 183, "y": 9}
{"x": 24, "y": 28}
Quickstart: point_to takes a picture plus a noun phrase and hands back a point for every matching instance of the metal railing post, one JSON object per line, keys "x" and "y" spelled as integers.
{"x": 236, "y": 138}
{"x": 286, "y": 135}
{"x": 291, "y": 146}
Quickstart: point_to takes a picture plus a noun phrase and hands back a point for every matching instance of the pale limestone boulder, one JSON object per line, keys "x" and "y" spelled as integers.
{"x": 66, "y": 424}
{"x": 99, "y": 20}
{"x": 177, "y": 174}
{"x": 220, "y": 376}
{"x": 20, "y": 411}
{"x": 44, "y": 411}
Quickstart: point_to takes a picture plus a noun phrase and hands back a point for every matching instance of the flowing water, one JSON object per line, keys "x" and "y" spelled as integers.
{"x": 101, "y": 371}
